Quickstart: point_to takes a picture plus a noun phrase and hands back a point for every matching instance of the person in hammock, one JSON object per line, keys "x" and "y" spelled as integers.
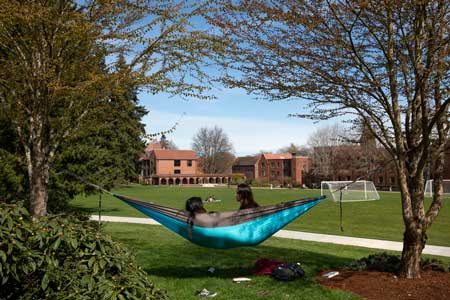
{"x": 244, "y": 196}
{"x": 194, "y": 205}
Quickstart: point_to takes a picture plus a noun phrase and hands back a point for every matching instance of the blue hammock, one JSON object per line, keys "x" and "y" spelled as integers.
{"x": 223, "y": 230}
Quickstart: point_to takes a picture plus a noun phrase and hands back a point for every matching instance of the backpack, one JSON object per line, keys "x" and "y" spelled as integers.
{"x": 288, "y": 272}
{"x": 265, "y": 266}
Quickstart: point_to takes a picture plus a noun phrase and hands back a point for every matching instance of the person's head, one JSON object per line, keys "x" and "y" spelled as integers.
{"x": 195, "y": 205}
{"x": 244, "y": 195}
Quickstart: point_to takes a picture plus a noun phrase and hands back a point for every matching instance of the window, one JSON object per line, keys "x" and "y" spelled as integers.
{"x": 189, "y": 163}
{"x": 176, "y": 163}
{"x": 380, "y": 179}
{"x": 177, "y": 172}
{"x": 392, "y": 180}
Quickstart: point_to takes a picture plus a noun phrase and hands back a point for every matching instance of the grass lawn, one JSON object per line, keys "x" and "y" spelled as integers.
{"x": 180, "y": 267}
{"x": 375, "y": 219}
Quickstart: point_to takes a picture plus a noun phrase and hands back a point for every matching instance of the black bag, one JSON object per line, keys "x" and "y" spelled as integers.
{"x": 288, "y": 272}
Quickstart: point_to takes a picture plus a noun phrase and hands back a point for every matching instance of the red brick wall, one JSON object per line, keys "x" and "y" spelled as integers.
{"x": 164, "y": 167}
{"x": 248, "y": 171}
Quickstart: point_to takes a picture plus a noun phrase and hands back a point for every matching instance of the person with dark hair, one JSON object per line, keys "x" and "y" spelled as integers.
{"x": 244, "y": 195}
{"x": 194, "y": 205}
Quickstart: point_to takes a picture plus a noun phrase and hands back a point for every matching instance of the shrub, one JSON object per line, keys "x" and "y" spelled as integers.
{"x": 64, "y": 257}
{"x": 237, "y": 178}
{"x": 385, "y": 262}
{"x": 382, "y": 262}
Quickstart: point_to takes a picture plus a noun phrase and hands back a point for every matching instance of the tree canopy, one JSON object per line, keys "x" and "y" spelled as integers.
{"x": 214, "y": 149}
{"x": 65, "y": 61}
{"x": 385, "y": 63}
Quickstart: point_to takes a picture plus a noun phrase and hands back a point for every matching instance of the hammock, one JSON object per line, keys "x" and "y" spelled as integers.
{"x": 222, "y": 230}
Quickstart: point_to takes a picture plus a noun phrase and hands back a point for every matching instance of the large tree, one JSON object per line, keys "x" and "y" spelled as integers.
{"x": 325, "y": 142}
{"x": 214, "y": 149}
{"x": 59, "y": 65}
{"x": 297, "y": 149}
{"x": 383, "y": 62}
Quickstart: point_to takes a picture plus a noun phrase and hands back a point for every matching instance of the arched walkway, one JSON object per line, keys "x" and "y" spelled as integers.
{"x": 163, "y": 181}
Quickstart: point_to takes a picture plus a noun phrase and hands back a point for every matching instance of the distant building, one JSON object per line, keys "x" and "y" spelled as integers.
{"x": 277, "y": 169}
{"x": 352, "y": 162}
{"x": 172, "y": 167}
{"x": 246, "y": 165}
{"x": 283, "y": 169}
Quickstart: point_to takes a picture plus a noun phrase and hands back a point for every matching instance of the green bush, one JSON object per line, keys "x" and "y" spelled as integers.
{"x": 385, "y": 262}
{"x": 237, "y": 178}
{"x": 382, "y": 262}
{"x": 64, "y": 257}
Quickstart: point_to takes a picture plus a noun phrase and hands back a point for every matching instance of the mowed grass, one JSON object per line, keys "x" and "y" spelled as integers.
{"x": 374, "y": 219}
{"x": 181, "y": 268}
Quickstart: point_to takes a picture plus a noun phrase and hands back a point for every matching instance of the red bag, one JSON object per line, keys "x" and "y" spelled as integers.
{"x": 265, "y": 266}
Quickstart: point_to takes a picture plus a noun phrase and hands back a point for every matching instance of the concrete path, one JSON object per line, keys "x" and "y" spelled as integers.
{"x": 314, "y": 237}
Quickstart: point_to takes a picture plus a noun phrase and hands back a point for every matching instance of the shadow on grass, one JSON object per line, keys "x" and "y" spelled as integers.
{"x": 234, "y": 262}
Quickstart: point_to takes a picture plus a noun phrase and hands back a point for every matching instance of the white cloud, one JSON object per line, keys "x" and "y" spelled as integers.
{"x": 247, "y": 135}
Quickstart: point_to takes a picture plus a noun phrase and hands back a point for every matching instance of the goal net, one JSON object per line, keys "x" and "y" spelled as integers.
{"x": 360, "y": 190}
{"x": 429, "y": 187}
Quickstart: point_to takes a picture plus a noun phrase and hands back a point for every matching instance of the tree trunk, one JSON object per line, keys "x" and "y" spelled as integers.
{"x": 38, "y": 176}
{"x": 39, "y": 191}
{"x": 414, "y": 240}
{"x": 414, "y": 236}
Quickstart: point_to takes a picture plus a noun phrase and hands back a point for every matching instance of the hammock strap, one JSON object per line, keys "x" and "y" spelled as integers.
{"x": 99, "y": 208}
{"x": 340, "y": 211}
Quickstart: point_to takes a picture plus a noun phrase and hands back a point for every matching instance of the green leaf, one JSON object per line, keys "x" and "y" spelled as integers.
{"x": 3, "y": 256}
{"x": 56, "y": 243}
{"x": 91, "y": 261}
{"x": 73, "y": 243}
{"x": 44, "y": 282}
{"x": 121, "y": 297}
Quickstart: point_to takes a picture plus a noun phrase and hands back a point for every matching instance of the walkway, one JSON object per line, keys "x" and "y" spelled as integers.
{"x": 313, "y": 237}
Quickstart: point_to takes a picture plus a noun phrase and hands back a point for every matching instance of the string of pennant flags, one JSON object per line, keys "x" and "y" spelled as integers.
{"x": 153, "y": 136}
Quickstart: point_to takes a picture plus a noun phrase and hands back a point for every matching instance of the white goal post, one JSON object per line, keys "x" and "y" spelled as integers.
{"x": 352, "y": 191}
{"x": 429, "y": 187}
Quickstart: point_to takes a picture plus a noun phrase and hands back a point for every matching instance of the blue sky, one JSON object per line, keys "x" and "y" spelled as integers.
{"x": 251, "y": 124}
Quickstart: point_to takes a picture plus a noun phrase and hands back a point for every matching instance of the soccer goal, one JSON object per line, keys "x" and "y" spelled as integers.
{"x": 429, "y": 187}
{"x": 352, "y": 191}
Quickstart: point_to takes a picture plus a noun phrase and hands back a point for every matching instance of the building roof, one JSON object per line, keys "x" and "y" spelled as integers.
{"x": 277, "y": 156}
{"x": 245, "y": 161}
{"x": 174, "y": 154}
{"x": 152, "y": 146}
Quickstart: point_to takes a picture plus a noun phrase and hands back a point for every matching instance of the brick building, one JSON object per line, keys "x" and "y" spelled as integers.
{"x": 282, "y": 169}
{"x": 246, "y": 165}
{"x": 173, "y": 167}
{"x": 350, "y": 162}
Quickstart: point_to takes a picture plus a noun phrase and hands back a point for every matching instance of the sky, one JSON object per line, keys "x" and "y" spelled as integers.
{"x": 251, "y": 124}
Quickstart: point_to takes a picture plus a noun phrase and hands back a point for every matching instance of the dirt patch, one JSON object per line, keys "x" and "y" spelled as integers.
{"x": 373, "y": 285}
